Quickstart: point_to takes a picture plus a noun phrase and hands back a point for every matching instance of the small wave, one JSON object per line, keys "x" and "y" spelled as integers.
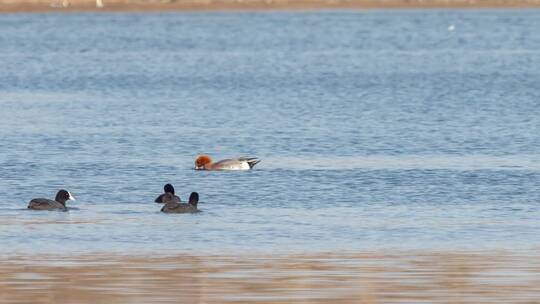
{"x": 406, "y": 162}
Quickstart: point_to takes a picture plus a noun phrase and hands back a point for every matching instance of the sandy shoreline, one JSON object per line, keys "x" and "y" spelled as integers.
{"x": 487, "y": 277}
{"x": 17, "y": 6}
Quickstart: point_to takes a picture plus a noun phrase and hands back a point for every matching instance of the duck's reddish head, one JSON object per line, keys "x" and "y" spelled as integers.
{"x": 202, "y": 161}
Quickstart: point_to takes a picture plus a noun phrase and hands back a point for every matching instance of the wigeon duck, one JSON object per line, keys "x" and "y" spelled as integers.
{"x": 204, "y": 162}
{"x": 171, "y": 206}
{"x": 59, "y": 202}
{"x": 168, "y": 188}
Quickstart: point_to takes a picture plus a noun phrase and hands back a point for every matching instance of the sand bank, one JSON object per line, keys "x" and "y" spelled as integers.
{"x": 321, "y": 278}
{"x": 243, "y": 5}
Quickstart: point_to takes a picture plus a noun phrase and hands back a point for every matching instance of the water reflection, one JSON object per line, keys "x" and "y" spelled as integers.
{"x": 434, "y": 277}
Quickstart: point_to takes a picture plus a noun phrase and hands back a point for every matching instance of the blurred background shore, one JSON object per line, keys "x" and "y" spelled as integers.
{"x": 235, "y": 5}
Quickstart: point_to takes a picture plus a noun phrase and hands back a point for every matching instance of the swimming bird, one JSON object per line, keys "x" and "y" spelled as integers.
{"x": 59, "y": 202}
{"x": 204, "y": 162}
{"x": 168, "y": 188}
{"x": 171, "y": 206}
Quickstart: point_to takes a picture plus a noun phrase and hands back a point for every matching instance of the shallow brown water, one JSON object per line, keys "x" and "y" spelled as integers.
{"x": 499, "y": 277}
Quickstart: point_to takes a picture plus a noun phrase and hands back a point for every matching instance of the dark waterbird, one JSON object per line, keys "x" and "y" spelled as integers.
{"x": 168, "y": 188}
{"x": 59, "y": 202}
{"x": 171, "y": 206}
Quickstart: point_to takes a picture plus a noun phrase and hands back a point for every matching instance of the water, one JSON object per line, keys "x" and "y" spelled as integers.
{"x": 377, "y": 130}
{"x": 334, "y": 278}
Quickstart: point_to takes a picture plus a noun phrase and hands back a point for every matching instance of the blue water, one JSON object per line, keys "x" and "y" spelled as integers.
{"x": 377, "y": 130}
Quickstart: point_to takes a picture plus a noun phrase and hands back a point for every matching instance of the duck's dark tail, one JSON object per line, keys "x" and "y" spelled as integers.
{"x": 194, "y": 199}
{"x": 252, "y": 161}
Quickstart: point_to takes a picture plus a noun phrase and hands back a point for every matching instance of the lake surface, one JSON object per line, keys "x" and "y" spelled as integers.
{"x": 377, "y": 130}
{"x": 315, "y": 279}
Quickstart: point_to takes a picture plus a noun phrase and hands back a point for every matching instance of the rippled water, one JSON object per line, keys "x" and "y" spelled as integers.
{"x": 314, "y": 279}
{"x": 377, "y": 130}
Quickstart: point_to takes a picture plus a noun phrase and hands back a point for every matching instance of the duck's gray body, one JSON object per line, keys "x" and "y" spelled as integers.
{"x": 46, "y": 204}
{"x": 241, "y": 163}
